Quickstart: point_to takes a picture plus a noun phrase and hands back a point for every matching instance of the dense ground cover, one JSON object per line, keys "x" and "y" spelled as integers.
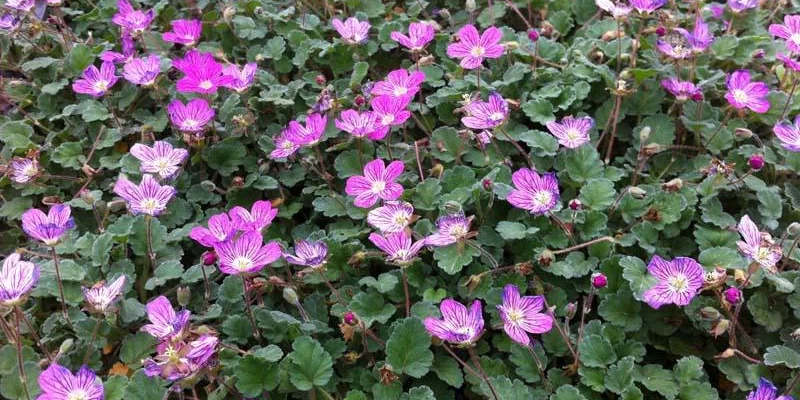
{"x": 412, "y": 200}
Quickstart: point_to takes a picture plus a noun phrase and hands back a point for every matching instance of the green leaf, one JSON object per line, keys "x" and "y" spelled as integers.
{"x": 225, "y": 156}
{"x": 276, "y": 47}
{"x": 246, "y": 28}
{"x": 38, "y": 63}
{"x": 635, "y": 272}
{"x": 526, "y": 364}
{"x": 448, "y": 370}
{"x": 657, "y": 379}
{"x": 514, "y": 230}
{"x": 451, "y": 259}
{"x": 255, "y": 375}
{"x": 574, "y": 265}
{"x": 419, "y": 393}
{"x": 770, "y": 207}
{"x": 539, "y": 110}
{"x": 780, "y": 354}
{"x": 384, "y": 284}
{"x": 596, "y": 351}
{"x": 721, "y": 257}
{"x": 359, "y": 73}
{"x": 598, "y": 194}
{"x": 330, "y": 206}
{"x": 16, "y": 135}
{"x": 620, "y": 376}
{"x": 69, "y": 155}
{"x": 80, "y": 57}
{"x": 137, "y": 347}
{"x": 237, "y": 328}
{"x": 426, "y": 195}
{"x": 101, "y": 249}
{"x": 310, "y": 365}
{"x": 567, "y": 392}
{"x": 583, "y": 164}
{"x": 142, "y": 387}
{"x": 765, "y": 312}
{"x": 165, "y": 271}
{"x": 370, "y": 307}
{"x": 688, "y": 369}
{"x": 621, "y": 309}
{"x": 408, "y": 348}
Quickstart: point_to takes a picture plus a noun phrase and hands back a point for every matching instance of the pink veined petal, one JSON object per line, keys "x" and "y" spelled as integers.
{"x": 517, "y": 334}
{"x": 365, "y": 200}
{"x": 56, "y": 381}
{"x": 437, "y": 328}
{"x": 490, "y": 37}
{"x": 470, "y": 62}
{"x": 160, "y": 311}
{"x": 657, "y": 296}
{"x": 392, "y": 191}
{"x": 494, "y": 51}
{"x": 458, "y": 50}
{"x": 393, "y": 170}
{"x": 375, "y": 170}
{"x": 537, "y": 323}
{"x": 781, "y": 31}
{"x": 659, "y": 267}
{"x": 356, "y": 185}
{"x": 749, "y": 231}
{"x": 739, "y": 79}
{"x": 469, "y": 35}
{"x": 453, "y": 310}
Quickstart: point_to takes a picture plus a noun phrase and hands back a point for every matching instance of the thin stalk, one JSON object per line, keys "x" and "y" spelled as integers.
{"x": 792, "y": 384}
{"x": 615, "y": 123}
{"x": 405, "y": 290}
{"x": 419, "y": 163}
{"x": 91, "y": 341}
{"x": 722, "y": 124}
{"x": 60, "y": 286}
{"x": 330, "y": 286}
{"x": 519, "y": 148}
{"x": 23, "y": 379}
{"x": 563, "y": 334}
{"x": 324, "y": 393}
{"x": 619, "y": 45}
{"x": 585, "y": 244}
{"x": 477, "y": 362}
{"x": 206, "y": 288}
{"x": 36, "y": 337}
{"x": 461, "y": 362}
{"x": 789, "y": 100}
{"x": 256, "y": 331}
{"x": 539, "y": 365}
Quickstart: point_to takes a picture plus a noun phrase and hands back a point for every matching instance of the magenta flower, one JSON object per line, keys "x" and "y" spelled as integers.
{"x": 788, "y": 62}
{"x": 283, "y": 146}
{"x": 745, "y": 94}
{"x": 9, "y": 22}
{"x": 165, "y": 323}
{"x": 134, "y": 21}
{"x": 758, "y": 246}
{"x": 522, "y": 315}
{"x": 192, "y": 117}
{"x": 766, "y": 391}
{"x": 185, "y": 32}
{"x": 176, "y": 360}
{"x": 486, "y": 115}
{"x": 450, "y": 229}
{"x": 700, "y": 37}
{"x": 96, "y": 82}
{"x": 23, "y": 170}
{"x": 391, "y": 217}
{"x": 533, "y": 192}
{"x": 203, "y": 74}
{"x": 419, "y": 35}
{"x": 682, "y": 90}
{"x": 378, "y": 182}
{"x": 617, "y": 10}
{"x": 148, "y": 197}
{"x": 310, "y": 134}
{"x": 220, "y": 228}
{"x": 399, "y": 83}
{"x": 162, "y": 159}
{"x": 361, "y": 124}
{"x": 352, "y": 30}
{"x": 48, "y": 229}
{"x": 259, "y": 217}
{"x": 677, "y": 51}
{"x": 58, "y": 383}
{"x": 789, "y": 31}
{"x": 738, "y": 6}
{"x": 398, "y": 246}
{"x": 388, "y": 111}
{"x": 571, "y": 132}
{"x": 679, "y": 281}
{"x": 246, "y": 253}
{"x": 101, "y": 297}
{"x": 142, "y": 71}
{"x": 20, "y": 5}
{"x": 128, "y": 51}
{"x": 647, "y": 6}
{"x": 789, "y": 134}
{"x": 17, "y": 278}
{"x": 309, "y": 254}
{"x": 458, "y": 325}
{"x": 241, "y": 79}
{"x": 473, "y": 48}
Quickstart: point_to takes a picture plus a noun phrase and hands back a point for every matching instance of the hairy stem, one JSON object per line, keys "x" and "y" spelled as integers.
{"x": 57, "y": 266}
{"x": 256, "y": 331}
{"x": 484, "y": 376}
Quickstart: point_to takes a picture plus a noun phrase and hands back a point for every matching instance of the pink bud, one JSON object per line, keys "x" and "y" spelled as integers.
{"x": 320, "y": 79}
{"x": 599, "y": 280}
{"x": 487, "y": 184}
{"x": 756, "y": 162}
{"x": 360, "y": 101}
{"x": 533, "y": 35}
{"x": 697, "y": 96}
{"x": 575, "y": 205}
{"x": 350, "y": 318}
{"x": 209, "y": 257}
{"x": 661, "y": 31}
{"x": 733, "y": 295}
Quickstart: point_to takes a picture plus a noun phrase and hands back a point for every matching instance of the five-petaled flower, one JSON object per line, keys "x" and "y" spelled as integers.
{"x": 308, "y": 253}
{"x": 399, "y": 83}
{"x": 148, "y": 197}
{"x": 788, "y": 31}
{"x": 101, "y": 297}
{"x": 361, "y": 124}
{"x": 161, "y": 159}
{"x": 96, "y": 82}
{"x": 419, "y": 35}
{"x": 191, "y": 117}
{"x": 450, "y": 229}
{"x": 165, "y": 323}
{"x": 533, "y": 192}
{"x": 398, "y": 246}
{"x": 185, "y": 32}
{"x": 742, "y": 93}
{"x": 472, "y": 48}
{"x": 571, "y": 132}
{"x": 766, "y": 391}
{"x": 284, "y": 147}
{"x": 131, "y": 20}
{"x": 142, "y": 71}
{"x": 522, "y": 315}
{"x": 259, "y": 216}
{"x": 678, "y": 281}
{"x": 58, "y": 383}
{"x": 458, "y": 325}
{"x": 391, "y": 217}
{"x": 351, "y": 30}
{"x": 758, "y": 246}
{"x": 49, "y": 228}
{"x": 241, "y": 79}
{"x": 23, "y": 169}
{"x": 246, "y": 253}
{"x": 17, "y": 278}
{"x": 202, "y": 73}
{"x": 378, "y": 182}
{"x": 307, "y": 135}
{"x": 388, "y": 111}
{"x": 220, "y": 228}
{"x": 682, "y": 90}
{"x": 788, "y": 134}
{"x": 486, "y": 114}
{"x": 179, "y": 359}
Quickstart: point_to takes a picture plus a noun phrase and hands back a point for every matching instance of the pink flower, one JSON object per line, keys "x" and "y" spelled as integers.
{"x": 220, "y": 228}
{"x": 473, "y": 48}
{"x": 458, "y": 325}
{"x": 192, "y": 117}
{"x": 185, "y": 32}
{"x": 678, "y": 281}
{"x": 486, "y": 115}
{"x": 757, "y": 246}
{"x": 745, "y": 94}
{"x": 283, "y": 146}
{"x": 161, "y": 159}
{"x": 134, "y": 21}
{"x": 522, "y": 315}
{"x": 146, "y": 198}
{"x": 450, "y": 229}
{"x": 682, "y": 90}
{"x": 259, "y": 217}
{"x": 310, "y": 134}
{"x": 142, "y": 71}
{"x": 128, "y": 50}
{"x": 20, "y": 5}
{"x": 388, "y": 111}
{"x": 204, "y": 75}
{"x": 419, "y": 35}
{"x": 378, "y": 182}
{"x": 617, "y": 10}
{"x": 242, "y": 79}
{"x": 788, "y": 62}
{"x": 398, "y": 246}
{"x": 571, "y": 132}
{"x": 23, "y": 170}
{"x": 533, "y": 192}
{"x": 96, "y": 83}
{"x": 352, "y": 30}
{"x": 246, "y": 253}
{"x": 789, "y": 31}
{"x": 789, "y": 134}
{"x": 393, "y": 216}
{"x": 399, "y": 83}
{"x": 360, "y": 124}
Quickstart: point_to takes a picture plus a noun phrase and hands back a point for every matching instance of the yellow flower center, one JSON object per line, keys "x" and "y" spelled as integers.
{"x": 190, "y": 123}
{"x": 242, "y": 263}
{"x": 477, "y": 51}
{"x": 514, "y": 316}
{"x": 205, "y": 85}
{"x": 149, "y": 206}
{"x": 101, "y": 86}
{"x": 401, "y": 219}
{"x": 387, "y": 119}
{"x": 678, "y": 283}
{"x": 542, "y": 198}
{"x": 399, "y": 91}
{"x": 740, "y": 95}
{"x": 77, "y": 394}
{"x": 378, "y": 186}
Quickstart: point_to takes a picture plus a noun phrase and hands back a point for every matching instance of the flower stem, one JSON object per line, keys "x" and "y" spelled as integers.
{"x": 151, "y": 259}
{"x": 206, "y": 288}
{"x": 36, "y": 337}
{"x": 460, "y": 361}
{"x": 792, "y": 384}
{"x": 615, "y": 123}
{"x": 539, "y": 365}
{"x": 789, "y": 99}
{"x": 91, "y": 341}
{"x": 585, "y": 244}
{"x": 722, "y": 124}
{"x": 60, "y": 286}
{"x": 256, "y": 331}
{"x": 519, "y": 148}
{"x": 561, "y": 332}
{"x": 405, "y": 290}
{"x": 23, "y": 379}
{"x": 330, "y": 286}
{"x": 485, "y": 377}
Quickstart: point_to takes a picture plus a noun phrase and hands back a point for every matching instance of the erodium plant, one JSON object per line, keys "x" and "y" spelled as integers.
{"x": 328, "y": 199}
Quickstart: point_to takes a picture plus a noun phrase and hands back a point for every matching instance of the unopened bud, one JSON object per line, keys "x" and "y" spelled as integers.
{"x": 756, "y": 162}
{"x": 237, "y": 182}
{"x": 427, "y": 60}
{"x": 546, "y": 258}
{"x": 719, "y": 328}
{"x": 758, "y": 54}
{"x": 793, "y": 228}
{"x": 228, "y": 13}
{"x": 258, "y": 10}
{"x": 599, "y": 280}
{"x": 473, "y": 282}
{"x": 351, "y": 357}
{"x": 547, "y": 29}
{"x": 796, "y": 334}
{"x": 698, "y": 96}
{"x": 209, "y": 257}
{"x": 524, "y": 268}
{"x": 533, "y": 35}
{"x": 570, "y": 310}
{"x": 184, "y": 295}
{"x": 260, "y": 57}
{"x": 575, "y": 205}
{"x": 673, "y": 185}
{"x": 511, "y": 45}
{"x": 644, "y": 134}
{"x": 733, "y": 295}
{"x": 487, "y": 184}
{"x": 661, "y": 31}
{"x": 452, "y": 207}
{"x": 208, "y": 186}
{"x": 65, "y": 346}
{"x": 709, "y": 313}
{"x": 437, "y": 169}
{"x": 360, "y": 100}
{"x": 637, "y": 192}
{"x": 87, "y": 197}
{"x": 350, "y": 318}
{"x": 728, "y": 353}
{"x": 290, "y": 295}
{"x": 743, "y": 133}
{"x": 470, "y": 6}
{"x": 320, "y": 80}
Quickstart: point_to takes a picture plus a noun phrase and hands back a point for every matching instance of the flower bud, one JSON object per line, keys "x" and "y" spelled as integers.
{"x": 290, "y": 295}
{"x": 758, "y": 54}
{"x": 599, "y": 280}
{"x": 733, "y": 295}
{"x": 427, "y": 60}
{"x": 523, "y": 268}
{"x": 351, "y": 357}
{"x": 350, "y": 318}
{"x": 697, "y": 96}
{"x": 546, "y": 258}
{"x": 511, "y": 45}
{"x": 237, "y": 182}
{"x": 743, "y": 133}
{"x": 547, "y": 29}
{"x": 661, "y": 31}
{"x": 793, "y": 228}
{"x": 228, "y": 13}
{"x": 644, "y": 134}
{"x": 453, "y": 207}
{"x": 487, "y": 184}
{"x": 65, "y": 346}
{"x": 470, "y": 6}
{"x": 320, "y": 80}
{"x": 710, "y": 313}
{"x": 208, "y": 185}
{"x": 533, "y": 35}
{"x": 756, "y": 162}
{"x": 796, "y": 334}
{"x": 637, "y": 192}
{"x": 184, "y": 295}
{"x": 360, "y": 100}
{"x": 260, "y": 57}
{"x": 258, "y": 10}
{"x": 673, "y": 185}
{"x": 209, "y": 257}
{"x": 720, "y": 327}
{"x": 575, "y": 205}
{"x": 571, "y": 309}
{"x": 87, "y": 197}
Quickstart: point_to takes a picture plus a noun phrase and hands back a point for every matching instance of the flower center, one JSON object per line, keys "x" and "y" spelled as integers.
{"x": 387, "y": 119}
{"x": 77, "y": 394}
{"x": 458, "y": 231}
{"x": 477, "y": 51}
{"x": 161, "y": 164}
{"x": 401, "y": 219}
{"x": 401, "y": 254}
{"x": 242, "y": 263}
{"x": 678, "y": 283}
{"x": 466, "y": 331}
{"x": 572, "y": 135}
{"x": 287, "y": 145}
{"x": 190, "y": 123}
{"x": 795, "y": 38}
{"x": 30, "y": 170}
{"x": 497, "y": 117}
{"x": 514, "y": 316}
{"x": 378, "y": 186}
{"x": 149, "y": 206}
{"x": 205, "y": 85}
{"x": 763, "y": 254}
{"x": 542, "y": 198}
{"x": 740, "y": 95}
{"x": 101, "y": 86}
{"x": 400, "y": 90}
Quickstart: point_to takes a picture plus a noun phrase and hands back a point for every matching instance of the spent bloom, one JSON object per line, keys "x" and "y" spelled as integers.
{"x": 378, "y": 182}
{"x": 617, "y": 10}
{"x": 246, "y": 253}
{"x": 523, "y": 315}
{"x": 360, "y": 124}
{"x": 162, "y": 159}
{"x": 679, "y": 281}
{"x": 758, "y": 246}
{"x": 49, "y": 228}
{"x": 486, "y": 114}
{"x": 17, "y": 278}
{"x": 311, "y": 133}
{"x": 185, "y": 32}
{"x": 307, "y": 253}
{"x": 149, "y": 197}
{"x": 23, "y": 170}
{"x": 191, "y": 117}
{"x": 283, "y": 146}
{"x": 745, "y": 94}
{"x": 176, "y": 360}
{"x": 788, "y": 31}
{"x": 682, "y": 90}
{"x": 134, "y": 21}
{"x": 165, "y": 323}
{"x": 450, "y": 229}
{"x": 647, "y": 6}
{"x": 419, "y": 35}
{"x": 571, "y": 132}
{"x": 699, "y": 38}
{"x": 788, "y": 61}
{"x": 458, "y": 324}
{"x": 738, "y": 6}
{"x": 128, "y": 51}
{"x": 220, "y": 228}
{"x": 20, "y": 5}
{"x": 388, "y": 111}
{"x": 472, "y": 48}
{"x": 391, "y": 217}
{"x": 259, "y": 216}
{"x": 102, "y": 296}
{"x": 352, "y": 30}
{"x": 766, "y": 391}
{"x": 398, "y": 246}
{"x": 96, "y": 82}
{"x": 142, "y": 71}
{"x": 533, "y": 192}
{"x": 241, "y": 79}
{"x": 399, "y": 83}
{"x": 58, "y": 383}
{"x": 203, "y": 74}
{"x": 789, "y": 134}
